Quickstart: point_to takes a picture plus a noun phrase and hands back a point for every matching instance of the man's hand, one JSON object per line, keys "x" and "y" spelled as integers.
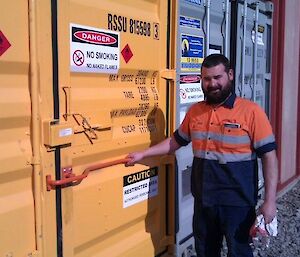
{"x": 134, "y": 158}
{"x": 169, "y": 145}
{"x": 268, "y": 210}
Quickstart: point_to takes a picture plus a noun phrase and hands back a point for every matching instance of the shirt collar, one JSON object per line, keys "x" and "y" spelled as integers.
{"x": 229, "y": 102}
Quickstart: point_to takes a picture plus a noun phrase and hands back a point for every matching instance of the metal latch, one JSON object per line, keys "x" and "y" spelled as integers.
{"x": 168, "y": 74}
{"x": 57, "y": 133}
{"x": 71, "y": 179}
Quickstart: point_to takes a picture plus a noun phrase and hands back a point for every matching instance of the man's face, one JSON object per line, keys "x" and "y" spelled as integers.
{"x": 216, "y": 83}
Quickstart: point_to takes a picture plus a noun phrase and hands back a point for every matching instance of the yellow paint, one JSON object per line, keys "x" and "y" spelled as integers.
{"x": 102, "y": 117}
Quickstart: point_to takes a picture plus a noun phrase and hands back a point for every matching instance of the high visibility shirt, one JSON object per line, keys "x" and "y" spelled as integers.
{"x": 226, "y": 141}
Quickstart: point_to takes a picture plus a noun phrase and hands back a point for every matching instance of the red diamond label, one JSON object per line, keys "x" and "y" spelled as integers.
{"x": 4, "y": 44}
{"x": 126, "y": 53}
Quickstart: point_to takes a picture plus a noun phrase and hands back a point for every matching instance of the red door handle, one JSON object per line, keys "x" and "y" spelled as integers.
{"x": 70, "y": 179}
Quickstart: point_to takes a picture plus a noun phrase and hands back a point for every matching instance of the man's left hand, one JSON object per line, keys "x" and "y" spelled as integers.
{"x": 268, "y": 210}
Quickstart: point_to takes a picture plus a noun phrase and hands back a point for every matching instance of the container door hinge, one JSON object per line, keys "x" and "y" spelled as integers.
{"x": 34, "y": 161}
{"x": 168, "y": 74}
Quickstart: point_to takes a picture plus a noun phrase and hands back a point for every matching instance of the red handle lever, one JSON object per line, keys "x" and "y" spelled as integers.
{"x": 71, "y": 179}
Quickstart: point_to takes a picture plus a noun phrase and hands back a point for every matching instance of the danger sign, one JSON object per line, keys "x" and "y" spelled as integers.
{"x": 94, "y": 50}
{"x": 190, "y": 89}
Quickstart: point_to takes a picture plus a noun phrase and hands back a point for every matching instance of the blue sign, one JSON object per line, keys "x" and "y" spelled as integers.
{"x": 189, "y": 22}
{"x": 191, "y": 52}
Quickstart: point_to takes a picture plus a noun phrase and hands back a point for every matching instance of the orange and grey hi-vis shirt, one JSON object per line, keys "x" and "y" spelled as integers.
{"x": 226, "y": 141}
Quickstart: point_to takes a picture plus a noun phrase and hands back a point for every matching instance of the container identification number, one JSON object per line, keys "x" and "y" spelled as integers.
{"x": 122, "y": 24}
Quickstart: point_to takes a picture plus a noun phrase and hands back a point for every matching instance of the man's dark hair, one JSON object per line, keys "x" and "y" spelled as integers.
{"x": 214, "y": 60}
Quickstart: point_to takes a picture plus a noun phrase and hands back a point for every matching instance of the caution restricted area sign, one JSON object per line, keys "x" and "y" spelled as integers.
{"x": 140, "y": 186}
{"x": 94, "y": 50}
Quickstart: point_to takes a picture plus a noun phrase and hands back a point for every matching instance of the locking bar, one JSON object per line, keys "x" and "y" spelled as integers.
{"x": 70, "y": 179}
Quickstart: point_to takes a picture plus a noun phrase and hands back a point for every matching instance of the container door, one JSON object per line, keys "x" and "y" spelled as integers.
{"x": 203, "y": 28}
{"x": 253, "y": 55}
{"x": 17, "y": 214}
{"x": 111, "y": 57}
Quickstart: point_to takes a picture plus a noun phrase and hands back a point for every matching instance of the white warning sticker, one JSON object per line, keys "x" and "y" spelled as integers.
{"x": 190, "y": 89}
{"x": 260, "y": 38}
{"x": 94, "y": 50}
{"x": 65, "y": 132}
{"x": 139, "y": 186}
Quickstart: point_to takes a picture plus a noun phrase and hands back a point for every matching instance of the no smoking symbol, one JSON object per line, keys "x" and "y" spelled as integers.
{"x": 78, "y": 57}
{"x": 183, "y": 94}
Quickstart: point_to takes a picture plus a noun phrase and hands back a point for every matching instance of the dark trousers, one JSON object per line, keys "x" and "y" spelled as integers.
{"x": 210, "y": 224}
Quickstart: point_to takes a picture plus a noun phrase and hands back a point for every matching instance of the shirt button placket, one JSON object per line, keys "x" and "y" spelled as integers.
{"x": 209, "y": 129}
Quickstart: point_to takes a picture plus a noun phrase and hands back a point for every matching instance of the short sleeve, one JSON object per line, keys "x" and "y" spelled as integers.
{"x": 182, "y": 134}
{"x": 262, "y": 135}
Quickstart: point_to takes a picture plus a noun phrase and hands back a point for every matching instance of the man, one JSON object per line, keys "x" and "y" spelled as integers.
{"x": 227, "y": 133}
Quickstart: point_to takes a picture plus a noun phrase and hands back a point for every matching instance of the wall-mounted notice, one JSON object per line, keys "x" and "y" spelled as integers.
{"x": 94, "y": 50}
{"x": 140, "y": 186}
{"x": 259, "y": 38}
{"x": 189, "y": 22}
{"x": 191, "y": 53}
{"x": 190, "y": 89}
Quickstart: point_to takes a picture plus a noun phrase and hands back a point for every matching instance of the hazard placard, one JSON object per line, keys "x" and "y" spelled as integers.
{"x": 4, "y": 43}
{"x": 127, "y": 53}
{"x": 94, "y": 50}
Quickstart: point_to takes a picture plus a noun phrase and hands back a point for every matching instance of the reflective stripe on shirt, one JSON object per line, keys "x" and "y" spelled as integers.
{"x": 221, "y": 138}
{"x": 224, "y": 157}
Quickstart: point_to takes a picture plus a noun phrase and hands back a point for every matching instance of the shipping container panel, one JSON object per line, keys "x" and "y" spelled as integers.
{"x": 253, "y": 58}
{"x": 113, "y": 98}
{"x": 17, "y": 220}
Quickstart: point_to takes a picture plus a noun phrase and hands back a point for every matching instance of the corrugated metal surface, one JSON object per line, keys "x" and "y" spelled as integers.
{"x": 112, "y": 115}
{"x": 17, "y": 229}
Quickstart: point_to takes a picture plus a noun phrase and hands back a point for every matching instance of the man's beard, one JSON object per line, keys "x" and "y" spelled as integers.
{"x": 220, "y": 96}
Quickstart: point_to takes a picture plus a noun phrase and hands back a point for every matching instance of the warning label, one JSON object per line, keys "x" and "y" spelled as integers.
{"x": 94, "y": 50}
{"x": 4, "y": 43}
{"x": 190, "y": 89}
{"x": 140, "y": 186}
{"x": 127, "y": 53}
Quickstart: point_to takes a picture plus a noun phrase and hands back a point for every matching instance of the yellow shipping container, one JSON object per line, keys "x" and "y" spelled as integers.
{"x": 83, "y": 83}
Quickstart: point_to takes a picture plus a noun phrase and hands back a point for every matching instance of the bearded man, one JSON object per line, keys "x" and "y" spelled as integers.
{"x": 228, "y": 133}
